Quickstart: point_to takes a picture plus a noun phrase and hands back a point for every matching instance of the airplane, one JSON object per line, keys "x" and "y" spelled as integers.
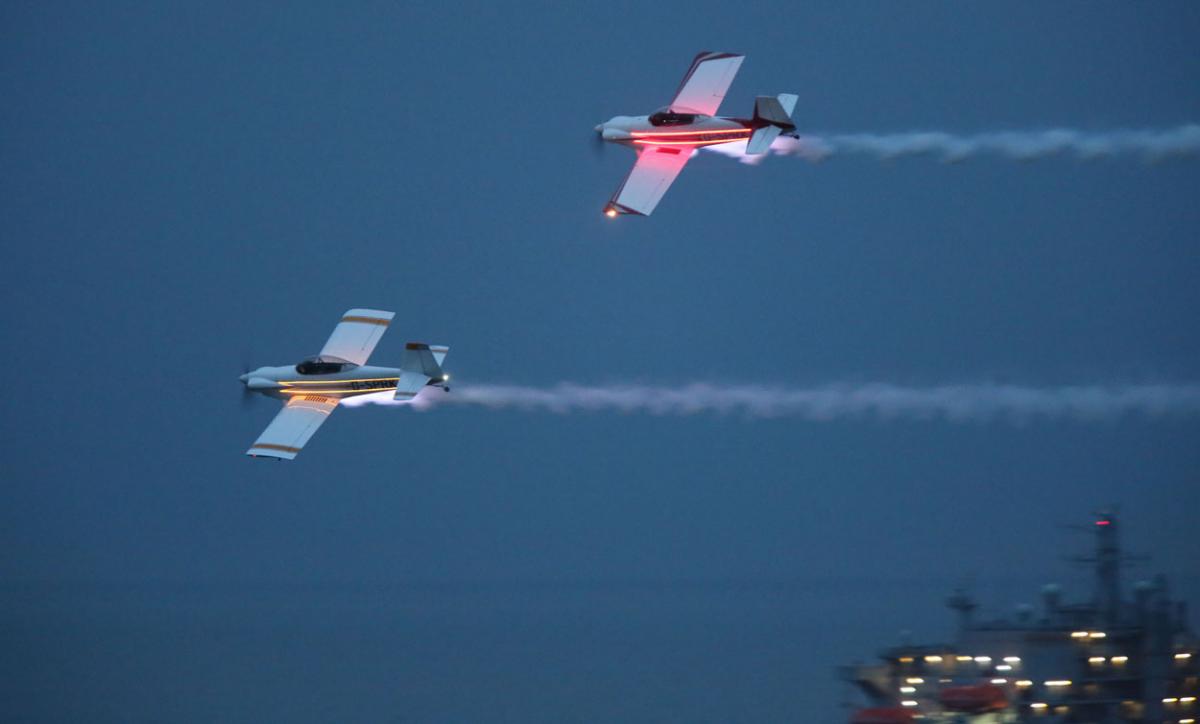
{"x": 312, "y": 389}
{"x": 667, "y": 138}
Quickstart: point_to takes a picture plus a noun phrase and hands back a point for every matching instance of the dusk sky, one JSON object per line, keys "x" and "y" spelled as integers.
{"x": 193, "y": 188}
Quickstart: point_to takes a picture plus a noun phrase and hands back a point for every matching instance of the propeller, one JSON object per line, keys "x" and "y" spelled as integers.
{"x": 598, "y": 142}
{"x": 247, "y": 395}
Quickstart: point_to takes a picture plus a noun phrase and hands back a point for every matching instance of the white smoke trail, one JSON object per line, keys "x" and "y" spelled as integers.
{"x": 878, "y": 401}
{"x": 1148, "y": 144}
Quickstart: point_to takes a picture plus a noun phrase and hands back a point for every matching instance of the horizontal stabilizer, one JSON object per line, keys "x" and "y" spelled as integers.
{"x": 409, "y": 384}
{"x": 761, "y": 140}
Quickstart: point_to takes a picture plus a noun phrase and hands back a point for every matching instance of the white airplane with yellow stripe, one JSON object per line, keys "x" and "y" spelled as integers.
{"x": 667, "y": 138}
{"x": 312, "y": 389}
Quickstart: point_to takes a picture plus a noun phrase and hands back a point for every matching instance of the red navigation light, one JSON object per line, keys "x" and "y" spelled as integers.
{"x": 610, "y": 212}
{"x": 1102, "y": 522}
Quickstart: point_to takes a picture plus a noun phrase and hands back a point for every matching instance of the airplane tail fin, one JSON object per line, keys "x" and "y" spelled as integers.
{"x": 772, "y": 116}
{"x": 775, "y": 110}
{"x": 788, "y": 101}
{"x": 421, "y": 365}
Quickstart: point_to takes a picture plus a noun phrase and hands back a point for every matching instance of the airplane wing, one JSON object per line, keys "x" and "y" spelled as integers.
{"x": 651, "y": 176}
{"x": 704, "y": 86}
{"x": 357, "y": 334}
{"x": 287, "y": 434}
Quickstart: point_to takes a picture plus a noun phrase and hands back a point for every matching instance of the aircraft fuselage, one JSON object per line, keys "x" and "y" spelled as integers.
{"x": 285, "y": 382}
{"x": 638, "y": 131}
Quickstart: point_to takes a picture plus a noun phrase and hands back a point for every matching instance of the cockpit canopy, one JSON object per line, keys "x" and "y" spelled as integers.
{"x": 324, "y": 365}
{"x": 667, "y": 117}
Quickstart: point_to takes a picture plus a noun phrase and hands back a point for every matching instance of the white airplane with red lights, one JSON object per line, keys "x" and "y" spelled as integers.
{"x": 312, "y": 389}
{"x": 667, "y": 138}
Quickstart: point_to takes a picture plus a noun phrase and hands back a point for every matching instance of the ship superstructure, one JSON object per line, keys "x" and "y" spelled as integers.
{"x": 1111, "y": 659}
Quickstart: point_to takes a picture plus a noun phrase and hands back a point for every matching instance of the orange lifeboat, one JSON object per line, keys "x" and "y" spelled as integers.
{"x": 974, "y": 698}
{"x": 883, "y": 716}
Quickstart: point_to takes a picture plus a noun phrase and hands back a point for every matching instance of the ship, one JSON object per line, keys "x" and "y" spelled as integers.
{"x": 1113, "y": 658}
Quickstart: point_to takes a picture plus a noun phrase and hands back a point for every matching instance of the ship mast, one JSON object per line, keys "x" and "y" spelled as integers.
{"x": 1108, "y": 570}
{"x": 1107, "y": 559}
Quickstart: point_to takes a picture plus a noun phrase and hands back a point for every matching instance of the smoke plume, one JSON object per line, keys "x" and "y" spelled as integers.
{"x": 876, "y": 401}
{"x": 1147, "y": 144}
